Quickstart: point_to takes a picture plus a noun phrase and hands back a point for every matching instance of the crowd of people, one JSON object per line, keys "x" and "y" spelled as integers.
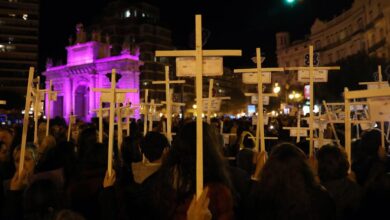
{"x": 156, "y": 179}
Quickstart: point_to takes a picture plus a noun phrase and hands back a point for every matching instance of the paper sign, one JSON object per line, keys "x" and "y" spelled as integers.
{"x": 379, "y": 109}
{"x": 175, "y": 109}
{"x": 324, "y": 142}
{"x": 294, "y": 132}
{"x": 379, "y": 85}
{"x": 120, "y": 97}
{"x": 367, "y": 126}
{"x": 319, "y": 76}
{"x": 356, "y": 107}
{"x": 251, "y": 78}
{"x": 53, "y": 96}
{"x": 265, "y": 120}
{"x": 212, "y": 66}
{"x": 254, "y": 100}
{"x": 215, "y": 105}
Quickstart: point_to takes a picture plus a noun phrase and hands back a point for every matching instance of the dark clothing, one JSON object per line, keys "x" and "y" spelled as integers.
{"x": 245, "y": 160}
{"x": 347, "y": 195}
{"x": 241, "y": 182}
{"x": 12, "y": 208}
{"x": 142, "y": 203}
{"x": 320, "y": 206}
{"x": 368, "y": 170}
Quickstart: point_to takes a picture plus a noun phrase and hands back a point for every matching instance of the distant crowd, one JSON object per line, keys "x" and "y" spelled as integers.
{"x": 156, "y": 179}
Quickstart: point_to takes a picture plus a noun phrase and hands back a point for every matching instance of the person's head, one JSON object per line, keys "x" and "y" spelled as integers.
{"x": 86, "y": 140}
{"x": 370, "y": 144}
{"x": 287, "y": 164}
{"x": 47, "y": 143}
{"x": 66, "y": 214}
{"x": 130, "y": 150}
{"x": 7, "y": 137}
{"x": 248, "y": 141}
{"x": 30, "y": 158}
{"x": 153, "y": 145}
{"x": 4, "y": 152}
{"x": 179, "y": 166}
{"x": 332, "y": 163}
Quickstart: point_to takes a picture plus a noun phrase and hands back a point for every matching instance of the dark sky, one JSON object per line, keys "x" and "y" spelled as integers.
{"x": 241, "y": 24}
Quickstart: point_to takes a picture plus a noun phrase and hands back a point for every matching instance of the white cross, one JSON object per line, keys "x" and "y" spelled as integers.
{"x": 25, "y": 119}
{"x": 259, "y": 72}
{"x": 168, "y": 99}
{"x": 349, "y": 95}
{"x": 312, "y": 70}
{"x": 112, "y": 96}
{"x": 198, "y": 53}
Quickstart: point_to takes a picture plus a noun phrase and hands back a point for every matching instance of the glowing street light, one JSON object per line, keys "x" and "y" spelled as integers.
{"x": 276, "y": 88}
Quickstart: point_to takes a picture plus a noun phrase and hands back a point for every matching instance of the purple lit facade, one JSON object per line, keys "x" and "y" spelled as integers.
{"x": 86, "y": 68}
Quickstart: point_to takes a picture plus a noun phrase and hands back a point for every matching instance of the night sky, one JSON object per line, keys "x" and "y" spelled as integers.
{"x": 241, "y": 24}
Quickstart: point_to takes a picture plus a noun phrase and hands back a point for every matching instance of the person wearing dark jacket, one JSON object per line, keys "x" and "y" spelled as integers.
{"x": 287, "y": 189}
{"x": 333, "y": 172}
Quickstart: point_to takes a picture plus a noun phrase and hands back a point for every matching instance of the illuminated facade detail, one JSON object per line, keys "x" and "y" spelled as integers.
{"x": 88, "y": 64}
{"x": 364, "y": 28}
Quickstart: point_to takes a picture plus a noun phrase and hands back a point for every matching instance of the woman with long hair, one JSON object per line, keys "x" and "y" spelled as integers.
{"x": 287, "y": 189}
{"x": 176, "y": 180}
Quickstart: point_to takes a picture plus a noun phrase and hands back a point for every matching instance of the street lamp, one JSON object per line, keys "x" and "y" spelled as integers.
{"x": 276, "y": 88}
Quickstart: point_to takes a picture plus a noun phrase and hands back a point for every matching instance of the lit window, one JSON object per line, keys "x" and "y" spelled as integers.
{"x": 12, "y": 15}
{"x": 25, "y": 17}
{"x": 143, "y": 15}
{"x": 2, "y": 48}
{"x": 127, "y": 13}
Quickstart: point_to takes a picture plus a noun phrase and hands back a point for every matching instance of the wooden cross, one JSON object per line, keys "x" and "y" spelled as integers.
{"x": 52, "y": 96}
{"x": 312, "y": 72}
{"x": 112, "y": 96}
{"x": 37, "y": 104}
{"x": 152, "y": 112}
{"x": 297, "y": 129}
{"x": 72, "y": 120}
{"x": 259, "y": 72}
{"x": 210, "y": 99}
{"x": 378, "y": 85}
{"x": 349, "y": 95}
{"x": 199, "y": 54}
{"x": 168, "y": 99}
{"x": 328, "y": 115}
{"x": 144, "y": 110}
{"x": 25, "y": 119}
{"x": 168, "y": 129}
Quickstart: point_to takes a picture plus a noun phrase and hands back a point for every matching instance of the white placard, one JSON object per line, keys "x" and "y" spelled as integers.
{"x": 378, "y": 85}
{"x": 254, "y": 100}
{"x": 265, "y": 121}
{"x": 175, "y": 109}
{"x": 212, "y": 66}
{"x": 294, "y": 132}
{"x": 53, "y": 96}
{"x": 356, "y": 107}
{"x": 379, "y": 109}
{"x": 324, "y": 142}
{"x": 319, "y": 76}
{"x": 215, "y": 104}
{"x": 154, "y": 116}
{"x": 367, "y": 126}
{"x": 120, "y": 97}
{"x": 251, "y": 78}
{"x": 128, "y": 112}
